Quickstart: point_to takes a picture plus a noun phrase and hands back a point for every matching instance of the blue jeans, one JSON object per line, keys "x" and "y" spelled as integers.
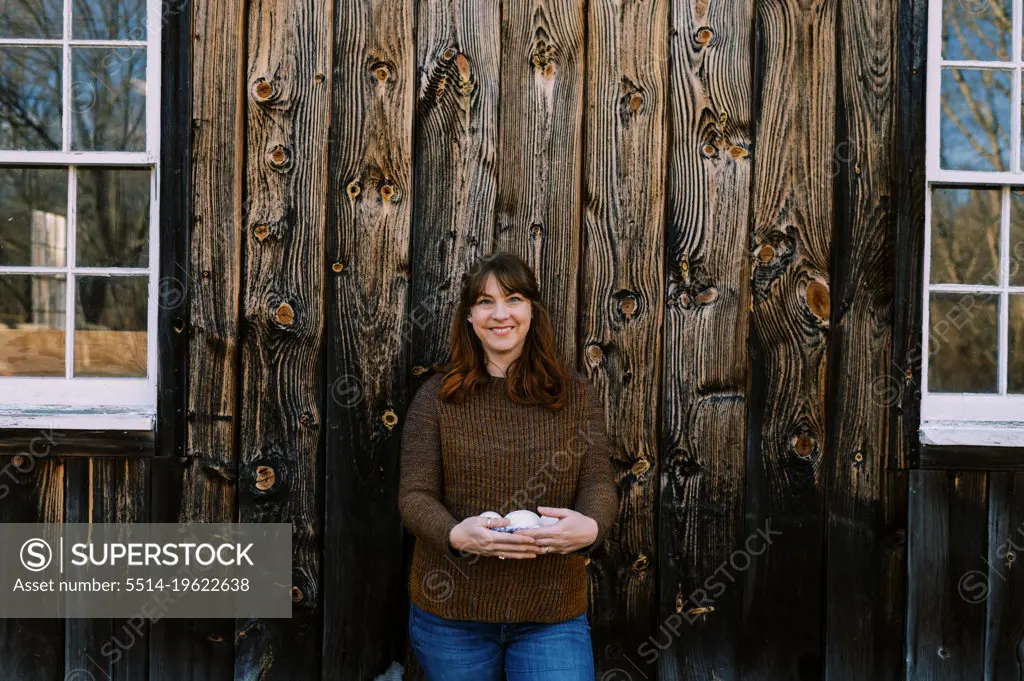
{"x": 464, "y": 650}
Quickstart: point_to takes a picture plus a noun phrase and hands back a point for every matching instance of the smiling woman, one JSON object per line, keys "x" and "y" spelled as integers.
{"x": 505, "y": 426}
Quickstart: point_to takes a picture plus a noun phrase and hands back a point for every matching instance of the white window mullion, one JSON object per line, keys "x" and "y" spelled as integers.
{"x": 926, "y": 276}
{"x": 66, "y": 81}
{"x": 1004, "y": 281}
{"x": 71, "y": 258}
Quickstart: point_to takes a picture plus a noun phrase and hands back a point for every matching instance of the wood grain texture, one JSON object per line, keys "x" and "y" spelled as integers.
{"x": 371, "y": 203}
{"x": 109, "y": 490}
{"x": 1004, "y": 627}
{"x": 281, "y": 407}
{"x": 620, "y": 302}
{"x": 948, "y": 524}
{"x": 866, "y": 531}
{"x": 790, "y": 251}
{"x": 540, "y": 150}
{"x": 706, "y": 327}
{"x": 32, "y": 491}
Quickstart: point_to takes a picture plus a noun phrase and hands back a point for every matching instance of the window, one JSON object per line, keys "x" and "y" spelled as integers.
{"x": 79, "y": 150}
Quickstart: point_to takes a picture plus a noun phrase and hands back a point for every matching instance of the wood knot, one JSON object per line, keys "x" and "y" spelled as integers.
{"x": 595, "y": 354}
{"x": 641, "y": 466}
{"x": 766, "y": 253}
{"x": 337, "y": 267}
{"x": 263, "y": 90}
{"x": 628, "y": 303}
{"x": 709, "y": 150}
{"x": 318, "y": 78}
{"x": 708, "y": 295}
{"x": 265, "y": 478}
{"x": 818, "y": 300}
{"x": 389, "y": 418}
{"x": 703, "y": 35}
{"x": 858, "y": 457}
{"x": 285, "y": 315}
{"x": 536, "y": 228}
{"x": 462, "y": 64}
{"x": 640, "y": 564}
{"x": 280, "y": 157}
{"x": 353, "y": 189}
{"x": 549, "y": 70}
{"x": 382, "y": 73}
{"x": 803, "y": 445}
{"x": 296, "y": 594}
{"x": 943, "y": 653}
{"x": 387, "y": 192}
{"x": 738, "y": 152}
{"x": 448, "y": 54}
{"x": 261, "y": 232}
{"x": 636, "y": 100}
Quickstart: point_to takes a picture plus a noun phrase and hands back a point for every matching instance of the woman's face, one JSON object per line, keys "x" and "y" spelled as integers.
{"x": 501, "y": 321}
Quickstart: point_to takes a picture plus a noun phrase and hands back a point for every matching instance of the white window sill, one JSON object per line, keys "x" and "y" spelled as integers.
{"x": 973, "y": 433}
{"x": 78, "y": 418}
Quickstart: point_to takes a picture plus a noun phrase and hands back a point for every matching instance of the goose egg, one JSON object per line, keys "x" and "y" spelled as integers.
{"x": 490, "y": 514}
{"x": 547, "y": 520}
{"x": 523, "y": 519}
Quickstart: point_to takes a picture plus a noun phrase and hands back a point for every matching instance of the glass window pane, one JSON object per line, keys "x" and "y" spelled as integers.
{"x": 1015, "y": 354}
{"x": 31, "y": 19}
{"x": 30, "y": 107}
{"x": 975, "y": 119}
{"x": 108, "y": 98}
{"x": 33, "y": 216}
{"x": 1016, "y": 252}
{"x": 32, "y": 325}
{"x": 976, "y": 29}
{"x": 963, "y": 343}
{"x": 110, "y": 326}
{"x": 113, "y": 218}
{"x": 965, "y": 236}
{"x": 106, "y": 20}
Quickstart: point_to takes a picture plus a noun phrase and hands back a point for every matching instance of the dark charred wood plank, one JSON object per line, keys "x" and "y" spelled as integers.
{"x": 281, "y": 408}
{"x": 540, "y": 149}
{"x": 790, "y": 250}
{"x": 866, "y": 530}
{"x": 82, "y": 443}
{"x": 912, "y": 43}
{"x": 706, "y": 326}
{"x": 200, "y": 486}
{"x": 948, "y": 526}
{"x": 1003, "y": 590}
{"x": 371, "y": 203}
{"x": 620, "y": 304}
{"x": 972, "y": 458}
{"x": 32, "y": 491}
{"x": 107, "y": 491}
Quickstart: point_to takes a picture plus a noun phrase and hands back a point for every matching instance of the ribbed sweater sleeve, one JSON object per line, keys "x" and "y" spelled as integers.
{"x": 596, "y": 494}
{"x": 421, "y": 475}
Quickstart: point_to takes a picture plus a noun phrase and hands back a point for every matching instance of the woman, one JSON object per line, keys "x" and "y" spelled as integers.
{"x": 505, "y": 427}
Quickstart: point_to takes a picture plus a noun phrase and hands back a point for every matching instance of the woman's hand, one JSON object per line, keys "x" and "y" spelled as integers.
{"x": 473, "y": 535}
{"x": 573, "y": 531}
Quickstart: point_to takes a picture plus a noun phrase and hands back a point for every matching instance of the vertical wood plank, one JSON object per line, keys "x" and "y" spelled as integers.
{"x": 909, "y": 247}
{"x": 539, "y": 152}
{"x": 1003, "y": 588}
{"x": 621, "y": 298}
{"x": 281, "y": 407}
{"x": 706, "y": 326}
{"x": 200, "y": 487}
{"x": 32, "y": 491}
{"x": 791, "y": 248}
{"x": 371, "y": 203}
{"x": 114, "y": 490}
{"x": 948, "y": 526}
{"x": 866, "y": 531}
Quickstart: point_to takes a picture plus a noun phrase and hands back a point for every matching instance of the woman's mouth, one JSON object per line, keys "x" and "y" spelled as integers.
{"x": 501, "y": 330}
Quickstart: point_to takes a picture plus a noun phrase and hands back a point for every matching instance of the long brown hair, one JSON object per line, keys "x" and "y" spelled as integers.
{"x": 539, "y": 375}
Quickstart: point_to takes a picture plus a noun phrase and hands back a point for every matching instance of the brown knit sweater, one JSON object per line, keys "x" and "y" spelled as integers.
{"x": 493, "y": 454}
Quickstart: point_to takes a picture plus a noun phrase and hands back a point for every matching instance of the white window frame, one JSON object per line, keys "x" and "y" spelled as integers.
{"x": 984, "y": 419}
{"x": 92, "y": 403}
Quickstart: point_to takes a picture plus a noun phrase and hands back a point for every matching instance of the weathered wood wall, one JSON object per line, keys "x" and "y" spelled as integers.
{"x": 722, "y": 202}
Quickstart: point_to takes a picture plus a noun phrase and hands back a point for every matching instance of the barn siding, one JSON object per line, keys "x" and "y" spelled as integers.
{"x": 694, "y": 183}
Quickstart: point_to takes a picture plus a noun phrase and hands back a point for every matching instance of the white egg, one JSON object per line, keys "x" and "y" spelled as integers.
{"x": 490, "y": 514}
{"x": 523, "y": 518}
{"x": 547, "y": 520}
